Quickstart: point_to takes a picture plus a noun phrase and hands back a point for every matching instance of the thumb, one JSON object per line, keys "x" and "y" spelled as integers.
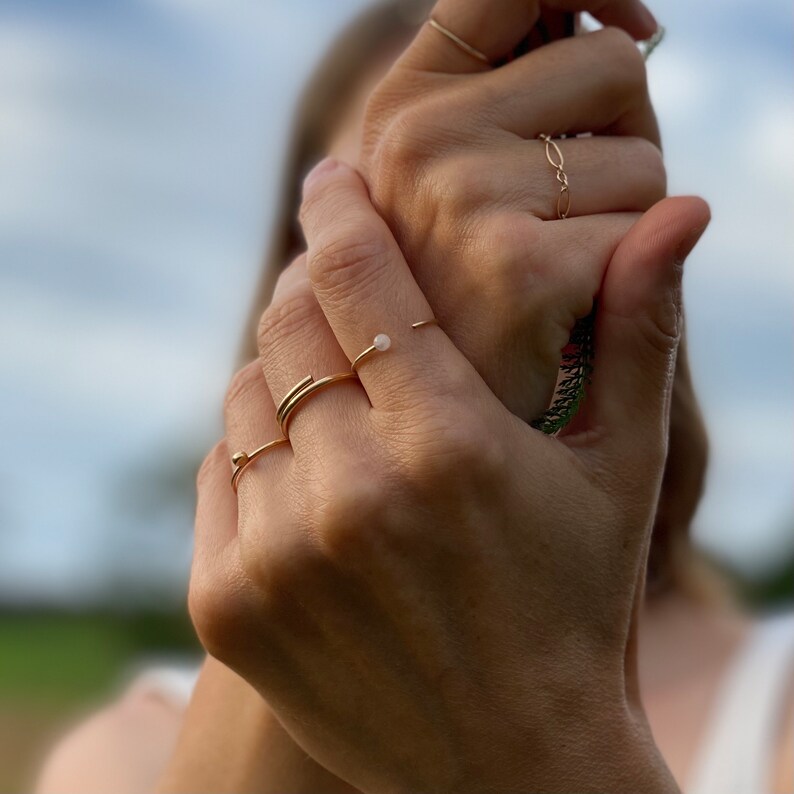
{"x": 637, "y": 332}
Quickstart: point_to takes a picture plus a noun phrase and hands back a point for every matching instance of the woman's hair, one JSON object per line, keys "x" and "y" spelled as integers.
{"x": 673, "y": 564}
{"x": 322, "y": 107}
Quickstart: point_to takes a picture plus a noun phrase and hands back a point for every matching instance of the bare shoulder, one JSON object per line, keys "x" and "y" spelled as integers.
{"x": 121, "y": 748}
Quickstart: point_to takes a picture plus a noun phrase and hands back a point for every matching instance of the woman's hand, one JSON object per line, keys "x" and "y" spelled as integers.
{"x": 454, "y": 165}
{"x": 431, "y": 595}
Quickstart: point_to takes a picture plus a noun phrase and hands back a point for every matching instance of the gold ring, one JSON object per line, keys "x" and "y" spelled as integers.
{"x": 564, "y": 199}
{"x": 242, "y": 460}
{"x": 382, "y": 342}
{"x": 309, "y": 386}
{"x": 424, "y": 323}
{"x": 306, "y": 388}
{"x": 458, "y": 41}
{"x": 296, "y": 389}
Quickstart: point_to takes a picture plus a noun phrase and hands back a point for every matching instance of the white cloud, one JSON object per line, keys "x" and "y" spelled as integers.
{"x": 133, "y": 175}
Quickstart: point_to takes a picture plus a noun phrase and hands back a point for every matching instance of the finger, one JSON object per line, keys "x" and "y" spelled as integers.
{"x": 218, "y": 582}
{"x": 296, "y": 342}
{"x": 249, "y": 415}
{"x": 215, "y": 547}
{"x": 605, "y": 174}
{"x": 262, "y": 501}
{"x": 595, "y": 82}
{"x": 637, "y": 335}
{"x": 497, "y": 27}
{"x": 584, "y": 248}
{"x": 366, "y": 289}
{"x": 494, "y": 28}
{"x": 214, "y": 497}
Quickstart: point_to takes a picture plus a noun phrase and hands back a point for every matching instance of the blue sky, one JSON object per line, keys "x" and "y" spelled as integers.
{"x": 140, "y": 147}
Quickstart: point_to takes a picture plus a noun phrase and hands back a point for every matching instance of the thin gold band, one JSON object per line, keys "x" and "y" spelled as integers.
{"x": 424, "y": 323}
{"x": 288, "y": 407}
{"x": 458, "y": 41}
{"x": 296, "y": 389}
{"x": 564, "y": 198}
{"x": 381, "y": 343}
{"x": 242, "y": 460}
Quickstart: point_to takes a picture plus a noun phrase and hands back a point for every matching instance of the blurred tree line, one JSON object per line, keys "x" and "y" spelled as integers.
{"x": 57, "y": 663}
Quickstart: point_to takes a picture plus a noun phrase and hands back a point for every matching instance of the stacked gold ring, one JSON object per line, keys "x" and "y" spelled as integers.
{"x": 305, "y": 389}
{"x": 302, "y": 391}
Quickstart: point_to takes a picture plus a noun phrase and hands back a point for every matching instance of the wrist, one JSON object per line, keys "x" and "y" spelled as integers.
{"x": 606, "y": 749}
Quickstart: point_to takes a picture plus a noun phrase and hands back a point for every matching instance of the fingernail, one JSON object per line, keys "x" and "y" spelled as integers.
{"x": 323, "y": 167}
{"x": 688, "y": 243}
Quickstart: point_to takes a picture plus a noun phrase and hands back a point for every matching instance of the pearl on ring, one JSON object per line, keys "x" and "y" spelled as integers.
{"x": 381, "y": 342}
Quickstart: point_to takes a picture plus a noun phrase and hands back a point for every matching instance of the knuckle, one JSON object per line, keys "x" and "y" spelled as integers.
{"x": 285, "y": 316}
{"x": 216, "y": 611}
{"x": 282, "y": 574}
{"x": 649, "y": 157}
{"x": 519, "y": 266}
{"x": 458, "y": 453}
{"x": 406, "y": 141}
{"x": 354, "y": 254}
{"x": 459, "y": 186}
{"x": 513, "y": 231}
{"x": 243, "y": 382}
{"x": 353, "y": 517}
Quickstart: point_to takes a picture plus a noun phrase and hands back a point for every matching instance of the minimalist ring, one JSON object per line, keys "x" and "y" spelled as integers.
{"x": 557, "y": 162}
{"x": 424, "y": 323}
{"x": 288, "y": 407}
{"x": 242, "y": 460}
{"x": 458, "y": 41}
{"x": 382, "y": 342}
{"x": 298, "y": 387}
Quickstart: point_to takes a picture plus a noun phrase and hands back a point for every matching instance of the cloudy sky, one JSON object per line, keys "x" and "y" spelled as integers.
{"x": 140, "y": 144}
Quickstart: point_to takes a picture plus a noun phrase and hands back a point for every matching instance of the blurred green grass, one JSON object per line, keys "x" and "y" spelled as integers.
{"x": 56, "y": 666}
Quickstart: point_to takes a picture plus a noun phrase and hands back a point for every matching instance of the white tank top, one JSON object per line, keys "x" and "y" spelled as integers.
{"x": 736, "y": 752}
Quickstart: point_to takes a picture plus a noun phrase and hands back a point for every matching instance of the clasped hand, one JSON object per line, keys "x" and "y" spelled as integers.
{"x": 430, "y": 594}
{"x": 397, "y": 582}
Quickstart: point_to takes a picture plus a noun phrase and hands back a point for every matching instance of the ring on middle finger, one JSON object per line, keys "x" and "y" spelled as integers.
{"x": 302, "y": 391}
{"x": 309, "y": 386}
{"x": 382, "y": 342}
